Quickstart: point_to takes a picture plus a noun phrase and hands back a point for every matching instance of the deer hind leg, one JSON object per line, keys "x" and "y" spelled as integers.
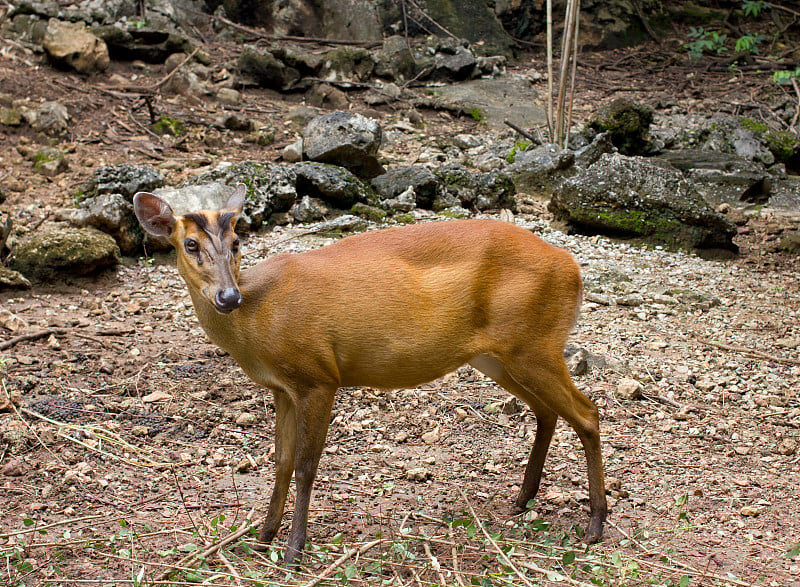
{"x": 545, "y": 426}
{"x": 547, "y": 378}
{"x": 285, "y": 446}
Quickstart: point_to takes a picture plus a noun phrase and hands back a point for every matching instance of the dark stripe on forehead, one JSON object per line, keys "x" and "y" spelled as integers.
{"x": 200, "y": 220}
{"x": 224, "y": 221}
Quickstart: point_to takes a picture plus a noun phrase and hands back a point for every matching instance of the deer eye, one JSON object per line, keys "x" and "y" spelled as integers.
{"x": 191, "y": 245}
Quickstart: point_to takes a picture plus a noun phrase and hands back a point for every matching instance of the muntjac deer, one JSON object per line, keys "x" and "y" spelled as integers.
{"x": 386, "y": 309}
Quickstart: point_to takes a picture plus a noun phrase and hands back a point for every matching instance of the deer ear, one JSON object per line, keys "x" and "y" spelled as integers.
{"x": 235, "y": 202}
{"x": 154, "y": 214}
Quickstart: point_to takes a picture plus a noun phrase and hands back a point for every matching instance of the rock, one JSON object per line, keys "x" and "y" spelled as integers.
{"x": 484, "y": 191}
{"x": 510, "y": 406}
{"x": 636, "y": 197}
{"x": 8, "y": 402}
{"x": 10, "y": 279}
{"x": 81, "y": 251}
{"x": 723, "y": 178}
{"x": 229, "y": 96}
{"x": 124, "y": 179}
{"x": 418, "y": 474}
{"x": 787, "y": 447}
{"x": 327, "y": 97}
{"x": 396, "y": 181}
{"x": 750, "y": 510}
{"x": 113, "y": 214}
{"x": 588, "y": 154}
{"x": 10, "y": 116}
{"x": 395, "y": 60}
{"x": 246, "y": 419}
{"x": 13, "y": 468}
{"x": 270, "y": 189}
{"x": 368, "y": 212}
{"x": 629, "y": 389}
{"x": 352, "y": 64}
{"x": 153, "y": 41}
{"x": 537, "y": 171}
{"x": 50, "y": 162}
{"x": 156, "y": 396}
{"x": 294, "y": 152}
{"x": 265, "y": 70}
{"x": 346, "y": 223}
{"x": 332, "y": 184}
{"x": 51, "y": 118}
{"x": 74, "y": 45}
{"x": 581, "y": 359}
{"x": 432, "y": 436}
{"x": 308, "y": 209}
{"x": 345, "y": 139}
{"x": 401, "y": 436}
{"x": 790, "y": 243}
{"x": 404, "y": 202}
{"x": 236, "y": 121}
{"x": 246, "y": 465}
{"x": 627, "y": 124}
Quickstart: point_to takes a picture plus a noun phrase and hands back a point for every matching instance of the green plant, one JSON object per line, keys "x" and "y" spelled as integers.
{"x": 705, "y": 42}
{"x": 477, "y": 114}
{"x": 785, "y": 76}
{"x": 754, "y": 7}
{"x": 520, "y": 146}
{"x": 749, "y": 43}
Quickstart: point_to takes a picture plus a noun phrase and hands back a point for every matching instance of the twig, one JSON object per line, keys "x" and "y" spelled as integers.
{"x": 212, "y": 549}
{"x": 492, "y": 541}
{"x": 183, "y": 499}
{"x": 426, "y": 545}
{"x": 746, "y": 351}
{"x": 7, "y": 344}
{"x": 342, "y": 559}
{"x": 52, "y": 525}
{"x": 521, "y": 131}
{"x": 231, "y": 569}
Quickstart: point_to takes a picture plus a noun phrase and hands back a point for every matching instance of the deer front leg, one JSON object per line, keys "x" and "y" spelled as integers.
{"x": 313, "y": 416}
{"x": 285, "y": 445}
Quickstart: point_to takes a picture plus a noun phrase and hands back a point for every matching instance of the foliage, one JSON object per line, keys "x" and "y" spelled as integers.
{"x": 785, "y": 76}
{"x": 520, "y": 146}
{"x": 705, "y": 42}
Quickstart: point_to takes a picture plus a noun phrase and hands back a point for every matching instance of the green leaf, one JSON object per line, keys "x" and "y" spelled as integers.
{"x": 684, "y": 581}
{"x": 793, "y": 551}
{"x": 568, "y": 558}
{"x": 28, "y": 522}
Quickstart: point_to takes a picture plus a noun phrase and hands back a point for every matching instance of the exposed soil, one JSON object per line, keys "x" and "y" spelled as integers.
{"x": 716, "y": 432}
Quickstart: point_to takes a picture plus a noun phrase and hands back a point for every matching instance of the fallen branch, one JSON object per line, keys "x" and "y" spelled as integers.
{"x": 342, "y": 559}
{"x": 747, "y": 351}
{"x": 7, "y": 344}
{"x": 491, "y": 540}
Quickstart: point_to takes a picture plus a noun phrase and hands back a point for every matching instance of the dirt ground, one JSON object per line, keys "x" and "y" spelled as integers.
{"x": 137, "y": 441}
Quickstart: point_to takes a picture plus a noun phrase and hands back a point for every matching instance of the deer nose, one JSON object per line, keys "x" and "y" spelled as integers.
{"x": 228, "y": 299}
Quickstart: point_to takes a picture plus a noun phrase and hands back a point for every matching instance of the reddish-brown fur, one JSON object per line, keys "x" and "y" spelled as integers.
{"x": 388, "y": 309}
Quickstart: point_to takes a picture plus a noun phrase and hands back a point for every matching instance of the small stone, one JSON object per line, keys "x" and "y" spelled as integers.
{"x": 246, "y": 465}
{"x": 140, "y": 430}
{"x": 246, "y": 419}
{"x": 432, "y": 437}
{"x": 13, "y": 468}
{"x": 401, "y": 436}
{"x": 705, "y": 385}
{"x": 418, "y": 474}
{"x": 510, "y": 406}
{"x": 37, "y": 506}
{"x": 787, "y": 447}
{"x": 156, "y": 396}
{"x": 461, "y": 414}
{"x": 629, "y": 389}
{"x": 294, "y": 152}
{"x": 749, "y": 510}
{"x": 229, "y": 96}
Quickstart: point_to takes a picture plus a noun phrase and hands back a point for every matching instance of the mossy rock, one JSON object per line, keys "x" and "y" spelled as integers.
{"x": 627, "y": 123}
{"x": 10, "y": 279}
{"x": 49, "y": 255}
{"x": 166, "y": 125}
